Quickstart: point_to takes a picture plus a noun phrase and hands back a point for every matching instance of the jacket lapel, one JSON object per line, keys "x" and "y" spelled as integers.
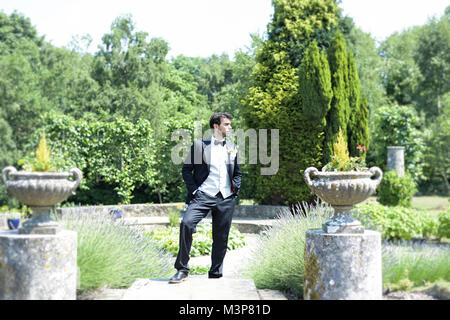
{"x": 207, "y": 152}
{"x": 230, "y": 160}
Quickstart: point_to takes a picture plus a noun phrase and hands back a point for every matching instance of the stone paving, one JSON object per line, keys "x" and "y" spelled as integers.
{"x": 197, "y": 287}
{"x": 232, "y": 286}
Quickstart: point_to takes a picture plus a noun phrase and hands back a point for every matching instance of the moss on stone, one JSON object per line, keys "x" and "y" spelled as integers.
{"x": 311, "y": 276}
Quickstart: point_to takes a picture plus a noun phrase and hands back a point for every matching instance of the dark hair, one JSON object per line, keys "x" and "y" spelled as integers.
{"x": 216, "y": 118}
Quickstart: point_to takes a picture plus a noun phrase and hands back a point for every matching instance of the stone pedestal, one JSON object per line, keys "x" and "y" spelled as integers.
{"x": 396, "y": 160}
{"x": 38, "y": 266}
{"x": 342, "y": 266}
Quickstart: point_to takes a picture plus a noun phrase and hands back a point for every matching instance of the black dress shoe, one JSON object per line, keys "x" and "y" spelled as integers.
{"x": 179, "y": 277}
{"x": 214, "y": 276}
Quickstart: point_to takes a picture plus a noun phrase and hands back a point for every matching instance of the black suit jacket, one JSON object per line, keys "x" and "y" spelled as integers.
{"x": 195, "y": 169}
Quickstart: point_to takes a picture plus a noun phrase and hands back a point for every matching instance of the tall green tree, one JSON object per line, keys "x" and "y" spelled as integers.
{"x": 129, "y": 69}
{"x": 273, "y": 100}
{"x": 401, "y": 74}
{"x": 358, "y": 125}
{"x": 315, "y": 84}
{"x": 369, "y": 63}
{"x": 433, "y": 59}
{"x": 339, "y": 115}
{"x": 16, "y": 29}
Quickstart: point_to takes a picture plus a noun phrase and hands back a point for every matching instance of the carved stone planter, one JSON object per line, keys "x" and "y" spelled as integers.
{"x": 343, "y": 190}
{"x": 40, "y": 191}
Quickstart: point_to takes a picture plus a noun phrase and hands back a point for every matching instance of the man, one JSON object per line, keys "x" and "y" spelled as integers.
{"x": 213, "y": 178}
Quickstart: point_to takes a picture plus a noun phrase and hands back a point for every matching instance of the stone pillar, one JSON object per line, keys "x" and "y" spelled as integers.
{"x": 342, "y": 266}
{"x": 38, "y": 266}
{"x": 396, "y": 160}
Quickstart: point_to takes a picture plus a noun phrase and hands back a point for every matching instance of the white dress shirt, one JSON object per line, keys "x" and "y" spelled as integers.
{"x": 218, "y": 179}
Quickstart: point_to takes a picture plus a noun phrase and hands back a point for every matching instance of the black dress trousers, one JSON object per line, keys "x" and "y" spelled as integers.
{"x": 198, "y": 208}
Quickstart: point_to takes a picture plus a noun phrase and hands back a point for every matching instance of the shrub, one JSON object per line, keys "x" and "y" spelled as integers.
{"x": 444, "y": 224}
{"x": 397, "y": 223}
{"x": 278, "y": 259}
{"x": 398, "y": 126}
{"x": 168, "y": 239}
{"x": 396, "y": 191}
{"x": 112, "y": 254}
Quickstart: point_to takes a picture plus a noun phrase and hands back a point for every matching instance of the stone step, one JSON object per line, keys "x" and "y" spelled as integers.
{"x": 196, "y": 287}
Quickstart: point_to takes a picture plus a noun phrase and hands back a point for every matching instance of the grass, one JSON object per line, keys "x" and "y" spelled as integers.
{"x": 407, "y": 266}
{"x": 433, "y": 204}
{"x": 113, "y": 254}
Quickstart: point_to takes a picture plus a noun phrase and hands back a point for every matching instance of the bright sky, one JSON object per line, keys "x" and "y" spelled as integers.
{"x": 203, "y": 27}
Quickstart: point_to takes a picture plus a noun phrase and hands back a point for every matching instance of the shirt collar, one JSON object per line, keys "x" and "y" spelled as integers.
{"x": 213, "y": 139}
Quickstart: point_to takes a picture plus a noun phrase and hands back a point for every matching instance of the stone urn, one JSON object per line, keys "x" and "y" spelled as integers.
{"x": 343, "y": 190}
{"x": 40, "y": 191}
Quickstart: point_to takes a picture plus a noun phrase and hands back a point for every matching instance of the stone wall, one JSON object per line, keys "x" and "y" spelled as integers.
{"x": 159, "y": 210}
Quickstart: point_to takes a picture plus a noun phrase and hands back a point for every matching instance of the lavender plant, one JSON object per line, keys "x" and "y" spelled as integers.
{"x": 278, "y": 259}
{"x": 114, "y": 254}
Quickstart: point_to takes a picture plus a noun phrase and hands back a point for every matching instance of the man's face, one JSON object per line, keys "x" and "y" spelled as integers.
{"x": 224, "y": 128}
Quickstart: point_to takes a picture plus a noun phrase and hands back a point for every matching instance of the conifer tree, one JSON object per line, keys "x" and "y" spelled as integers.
{"x": 354, "y": 101}
{"x": 274, "y": 99}
{"x": 339, "y": 114}
{"x": 315, "y": 84}
{"x": 360, "y": 129}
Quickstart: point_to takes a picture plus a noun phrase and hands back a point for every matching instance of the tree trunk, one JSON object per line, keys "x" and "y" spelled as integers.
{"x": 159, "y": 196}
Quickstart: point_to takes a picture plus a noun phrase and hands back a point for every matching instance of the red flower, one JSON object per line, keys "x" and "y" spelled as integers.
{"x": 361, "y": 148}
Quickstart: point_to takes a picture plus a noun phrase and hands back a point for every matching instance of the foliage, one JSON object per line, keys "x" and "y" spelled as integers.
{"x": 130, "y": 77}
{"x": 168, "y": 182}
{"x": 279, "y": 94}
{"x": 444, "y": 224}
{"x": 168, "y": 239}
{"x": 358, "y": 124}
{"x": 199, "y": 269}
{"x": 433, "y": 59}
{"x": 370, "y": 66}
{"x": 406, "y": 266}
{"x": 278, "y": 260}
{"x": 111, "y": 253}
{"x": 341, "y": 160}
{"x": 314, "y": 84}
{"x": 437, "y": 153}
{"x": 296, "y": 23}
{"x": 399, "y": 126}
{"x": 401, "y": 74}
{"x": 116, "y": 152}
{"x": 174, "y": 218}
{"x": 42, "y": 161}
{"x": 395, "y": 190}
{"x": 397, "y": 223}
{"x": 339, "y": 115}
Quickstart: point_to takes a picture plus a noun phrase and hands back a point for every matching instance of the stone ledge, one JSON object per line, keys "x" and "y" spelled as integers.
{"x": 161, "y": 210}
{"x": 242, "y": 224}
